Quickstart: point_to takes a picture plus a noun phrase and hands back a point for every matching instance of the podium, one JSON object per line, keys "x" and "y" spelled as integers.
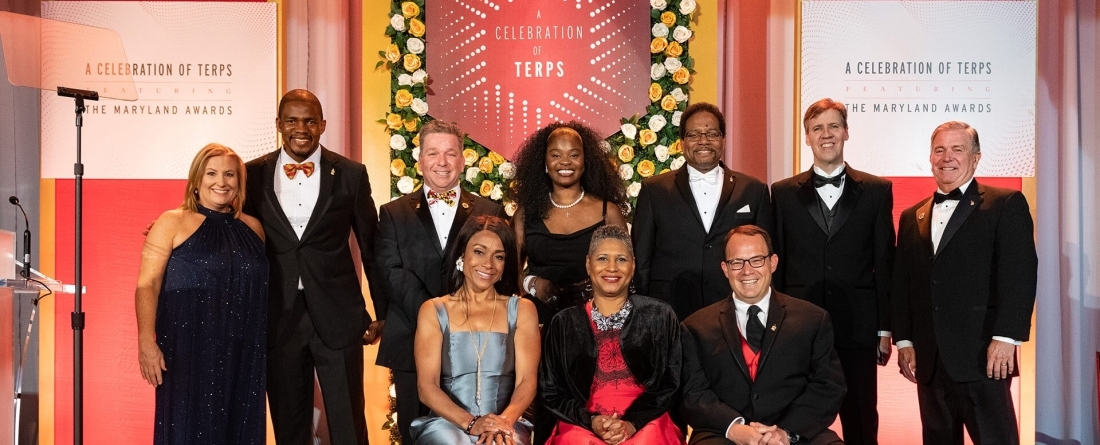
{"x": 18, "y": 416}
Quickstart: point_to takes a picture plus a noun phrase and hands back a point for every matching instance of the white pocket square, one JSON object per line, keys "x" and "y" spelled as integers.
{"x": 744, "y": 209}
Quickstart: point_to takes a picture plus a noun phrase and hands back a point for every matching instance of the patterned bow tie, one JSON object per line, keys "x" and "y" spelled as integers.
{"x": 291, "y": 170}
{"x": 448, "y": 197}
{"x": 821, "y": 181}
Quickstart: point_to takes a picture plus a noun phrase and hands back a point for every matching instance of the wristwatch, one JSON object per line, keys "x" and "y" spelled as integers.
{"x": 792, "y": 437}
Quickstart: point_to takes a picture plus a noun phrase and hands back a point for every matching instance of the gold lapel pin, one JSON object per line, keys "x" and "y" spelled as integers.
{"x": 465, "y": 205}
{"x": 972, "y": 202}
{"x": 418, "y": 206}
{"x": 921, "y": 216}
{"x": 773, "y": 328}
{"x": 332, "y": 172}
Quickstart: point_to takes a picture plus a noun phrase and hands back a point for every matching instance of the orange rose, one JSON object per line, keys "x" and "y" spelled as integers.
{"x": 402, "y": 98}
{"x": 412, "y": 62}
{"x": 667, "y": 17}
{"x": 486, "y": 187}
{"x": 646, "y": 168}
{"x": 410, "y": 125}
{"x": 681, "y": 76}
{"x": 647, "y": 137}
{"x": 676, "y": 148}
{"x": 393, "y": 121}
{"x": 416, "y": 28}
{"x": 496, "y": 158}
{"x": 416, "y": 140}
{"x": 655, "y": 91}
{"x": 393, "y": 53}
{"x": 626, "y": 153}
{"x": 674, "y": 49}
{"x": 657, "y": 45}
{"x": 668, "y": 103}
{"x": 485, "y": 165}
{"x": 469, "y": 156}
{"x": 416, "y": 167}
{"x": 410, "y": 10}
{"x": 397, "y": 167}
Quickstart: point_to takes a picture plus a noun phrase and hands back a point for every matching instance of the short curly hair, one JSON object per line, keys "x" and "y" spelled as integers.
{"x": 532, "y": 187}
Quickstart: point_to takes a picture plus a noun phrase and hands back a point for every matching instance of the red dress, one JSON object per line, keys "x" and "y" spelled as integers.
{"x": 613, "y": 390}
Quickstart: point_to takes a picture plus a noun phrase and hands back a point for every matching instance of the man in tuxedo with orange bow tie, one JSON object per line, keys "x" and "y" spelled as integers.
{"x": 310, "y": 200}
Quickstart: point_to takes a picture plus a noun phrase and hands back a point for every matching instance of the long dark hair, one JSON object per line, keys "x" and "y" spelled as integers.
{"x": 509, "y": 280}
{"x": 531, "y": 188}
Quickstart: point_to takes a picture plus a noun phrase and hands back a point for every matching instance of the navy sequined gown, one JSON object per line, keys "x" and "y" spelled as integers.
{"x": 211, "y": 327}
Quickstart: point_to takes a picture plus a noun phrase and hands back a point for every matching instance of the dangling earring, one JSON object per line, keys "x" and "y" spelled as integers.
{"x": 546, "y": 170}
{"x": 458, "y": 264}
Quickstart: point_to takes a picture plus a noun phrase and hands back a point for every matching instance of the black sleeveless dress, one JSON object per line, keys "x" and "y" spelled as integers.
{"x": 211, "y": 327}
{"x": 560, "y": 259}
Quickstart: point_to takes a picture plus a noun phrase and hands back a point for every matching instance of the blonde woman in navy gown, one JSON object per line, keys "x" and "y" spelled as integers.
{"x": 201, "y": 304}
{"x": 477, "y": 348}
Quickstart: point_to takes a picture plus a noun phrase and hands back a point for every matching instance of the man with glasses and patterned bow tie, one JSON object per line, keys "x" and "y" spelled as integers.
{"x": 835, "y": 239}
{"x": 683, "y": 215}
{"x": 963, "y": 294}
{"x": 759, "y": 366}
{"x": 310, "y": 200}
{"x": 414, "y": 235}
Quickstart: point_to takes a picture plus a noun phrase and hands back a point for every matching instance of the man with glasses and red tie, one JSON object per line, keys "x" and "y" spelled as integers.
{"x": 310, "y": 200}
{"x": 759, "y": 366}
{"x": 683, "y": 215}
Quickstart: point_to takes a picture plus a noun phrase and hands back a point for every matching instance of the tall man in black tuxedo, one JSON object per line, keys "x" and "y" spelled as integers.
{"x": 413, "y": 238}
{"x": 964, "y": 290}
{"x": 309, "y": 200}
{"x": 759, "y": 367}
{"x": 835, "y": 240}
{"x": 682, "y": 216}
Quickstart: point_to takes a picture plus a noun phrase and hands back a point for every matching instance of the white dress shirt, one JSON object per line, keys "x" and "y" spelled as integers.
{"x": 443, "y": 215}
{"x": 828, "y": 192}
{"x": 706, "y": 188}
{"x": 298, "y": 196}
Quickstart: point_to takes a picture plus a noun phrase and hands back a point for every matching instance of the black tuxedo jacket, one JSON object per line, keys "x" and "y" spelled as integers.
{"x": 846, "y": 268}
{"x": 799, "y": 385}
{"x": 980, "y": 283}
{"x": 411, "y": 261}
{"x": 322, "y": 258}
{"x": 677, "y": 261}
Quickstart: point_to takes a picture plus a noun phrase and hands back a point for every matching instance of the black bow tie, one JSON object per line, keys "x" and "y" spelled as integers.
{"x": 939, "y": 198}
{"x": 821, "y": 181}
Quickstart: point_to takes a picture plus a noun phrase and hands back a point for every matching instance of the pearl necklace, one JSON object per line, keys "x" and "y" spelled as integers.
{"x": 566, "y": 207}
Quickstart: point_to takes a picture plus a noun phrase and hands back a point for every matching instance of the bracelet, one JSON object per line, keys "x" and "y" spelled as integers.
{"x": 471, "y": 425}
{"x": 529, "y": 285}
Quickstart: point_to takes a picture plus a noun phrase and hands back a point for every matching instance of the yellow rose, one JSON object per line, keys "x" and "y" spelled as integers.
{"x": 681, "y": 76}
{"x": 646, "y": 168}
{"x": 626, "y": 153}
{"x": 416, "y": 166}
{"x": 402, "y": 98}
{"x": 667, "y": 17}
{"x": 416, "y": 28}
{"x": 496, "y": 158}
{"x": 676, "y": 148}
{"x": 657, "y": 45}
{"x": 674, "y": 49}
{"x": 393, "y": 53}
{"x": 412, "y": 62}
{"x": 668, "y": 103}
{"x": 664, "y": 170}
{"x": 485, "y": 165}
{"x": 410, "y": 125}
{"x": 416, "y": 140}
{"x": 486, "y": 187}
{"x": 655, "y": 92}
{"x": 397, "y": 167}
{"x": 410, "y": 10}
{"x": 393, "y": 121}
{"x": 647, "y": 137}
{"x": 470, "y": 156}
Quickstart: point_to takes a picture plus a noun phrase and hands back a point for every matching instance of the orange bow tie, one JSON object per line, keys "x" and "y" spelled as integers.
{"x": 291, "y": 170}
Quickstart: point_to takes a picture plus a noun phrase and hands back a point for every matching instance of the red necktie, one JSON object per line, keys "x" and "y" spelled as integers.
{"x": 291, "y": 170}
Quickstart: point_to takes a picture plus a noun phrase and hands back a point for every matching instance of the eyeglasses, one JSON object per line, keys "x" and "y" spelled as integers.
{"x": 696, "y": 136}
{"x": 737, "y": 264}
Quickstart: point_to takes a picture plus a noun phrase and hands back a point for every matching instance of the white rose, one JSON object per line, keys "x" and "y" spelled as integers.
{"x": 397, "y": 142}
{"x": 416, "y": 154}
{"x": 405, "y": 185}
{"x": 510, "y": 208}
{"x": 661, "y": 152}
{"x": 677, "y": 163}
{"x": 681, "y": 34}
{"x": 471, "y": 174}
{"x": 405, "y": 79}
{"x": 657, "y": 122}
{"x": 657, "y": 71}
{"x": 658, "y": 4}
{"x": 687, "y": 7}
{"x": 672, "y": 64}
{"x": 679, "y": 95}
{"x": 659, "y": 30}
{"x": 626, "y": 172}
{"x": 676, "y": 117}
{"x": 415, "y": 45}
{"x": 419, "y": 106}
{"x": 398, "y": 22}
{"x": 633, "y": 189}
{"x": 496, "y": 193}
{"x": 629, "y": 130}
{"x": 507, "y": 170}
{"x": 419, "y": 76}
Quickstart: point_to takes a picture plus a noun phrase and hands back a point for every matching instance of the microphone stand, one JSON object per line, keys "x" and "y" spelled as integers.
{"x": 79, "y": 96}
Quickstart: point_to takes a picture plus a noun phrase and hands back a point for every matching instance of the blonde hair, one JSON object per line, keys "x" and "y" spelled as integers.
{"x": 198, "y": 167}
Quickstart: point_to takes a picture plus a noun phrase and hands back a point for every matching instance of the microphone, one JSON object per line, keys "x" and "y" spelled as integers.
{"x": 26, "y": 273}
